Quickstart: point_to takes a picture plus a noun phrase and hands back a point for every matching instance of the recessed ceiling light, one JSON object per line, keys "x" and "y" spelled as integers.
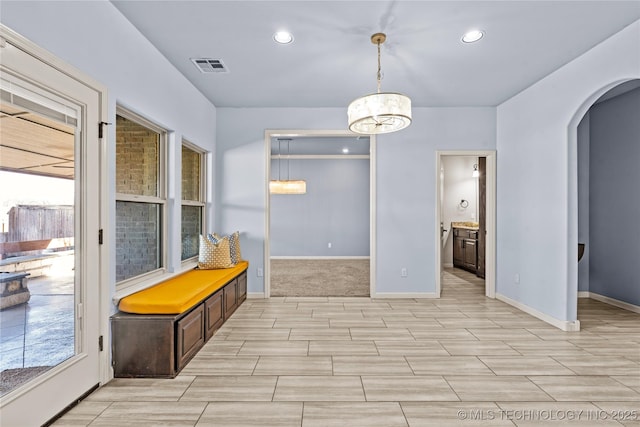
{"x": 473, "y": 36}
{"x": 345, "y": 150}
{"x": 283, "y": 37}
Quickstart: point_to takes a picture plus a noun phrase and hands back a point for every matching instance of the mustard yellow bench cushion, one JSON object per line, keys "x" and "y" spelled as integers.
{"x": 179, "y": 294}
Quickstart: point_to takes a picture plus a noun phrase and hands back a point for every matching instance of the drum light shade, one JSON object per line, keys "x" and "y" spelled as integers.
{"x": 380, "y": 112}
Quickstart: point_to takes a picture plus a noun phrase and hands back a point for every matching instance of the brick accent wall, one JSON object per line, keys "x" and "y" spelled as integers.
{"x": 137, "y": 239}
{"x": 190, "y": 174}
{"x": 137, "y": 158}
{"x": 190, "y": 230}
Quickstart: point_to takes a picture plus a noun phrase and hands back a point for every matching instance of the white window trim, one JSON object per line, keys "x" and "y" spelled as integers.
{"x": 202, "y": 202}
{"x": 151, "y": 277}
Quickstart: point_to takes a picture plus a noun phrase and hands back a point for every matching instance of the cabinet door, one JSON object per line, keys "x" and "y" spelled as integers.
{"x": 458, "y": 251}
{"x": 470, "y": 254}
{"x": 230, "y": 298}
{"x": 242, "y": 288}
{"x": 190, "y": 334}
{"x": 213, "y": 313}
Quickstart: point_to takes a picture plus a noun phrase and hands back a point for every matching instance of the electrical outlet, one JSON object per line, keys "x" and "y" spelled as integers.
{"x": 403, "y": 272}
{"x": 329, "y": 245}
{"x": 516, "y": 278}
{"x": 259, "y": 272}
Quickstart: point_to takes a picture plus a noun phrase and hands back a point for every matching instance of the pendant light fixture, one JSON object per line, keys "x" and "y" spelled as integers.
{"x": 286, "y": 186}
{"x": 381, "y": 112}
{"x": 476, "y": 172}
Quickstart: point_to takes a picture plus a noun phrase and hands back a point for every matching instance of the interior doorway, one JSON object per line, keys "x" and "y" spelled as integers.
{"x": 320, "y": 241}
{"x": 465, "y": 218}
{"x": 608, "y": 132}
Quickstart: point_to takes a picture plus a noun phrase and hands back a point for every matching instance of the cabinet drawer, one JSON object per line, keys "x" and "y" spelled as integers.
{"x": 190, "y": 334}
{"x": 465, "y": 234}
{"x": 213, "y": 314}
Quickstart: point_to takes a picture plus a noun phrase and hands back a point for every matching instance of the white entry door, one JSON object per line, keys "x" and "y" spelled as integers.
{"x": 50, "y": 168}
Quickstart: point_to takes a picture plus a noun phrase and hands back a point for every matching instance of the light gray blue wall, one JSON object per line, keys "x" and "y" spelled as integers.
{"x": 334, "y": 210}
{"x": 583, "y": 201}
{"x": 537, "y": 213}
{"x": 405, "y": 204}
{"x": 614, "y": 203}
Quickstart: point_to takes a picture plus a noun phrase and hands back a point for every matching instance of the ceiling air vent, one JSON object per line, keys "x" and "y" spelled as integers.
{"x": 207, "y": 65}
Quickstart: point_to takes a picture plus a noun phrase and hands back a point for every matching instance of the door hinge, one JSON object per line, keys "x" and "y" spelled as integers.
{"x": 101, "y": 129}
{"x": 100, "y": 233}
{"x": 101, "y": 343}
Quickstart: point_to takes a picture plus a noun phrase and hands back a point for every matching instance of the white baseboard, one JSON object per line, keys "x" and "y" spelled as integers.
{"x": 611, "y": 301}
{"x": 583, "y": 294}
{"x": 564, "y": 325}
{"x": 396, "y": 295}
{"x": 255, "y": 295}
{"x": 447, "y": 265}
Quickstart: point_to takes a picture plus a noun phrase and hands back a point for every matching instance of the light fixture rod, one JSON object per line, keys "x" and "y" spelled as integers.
{"x": 378, "y": 39}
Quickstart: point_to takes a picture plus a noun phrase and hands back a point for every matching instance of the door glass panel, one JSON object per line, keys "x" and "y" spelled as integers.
{"x": 37, "y": 231}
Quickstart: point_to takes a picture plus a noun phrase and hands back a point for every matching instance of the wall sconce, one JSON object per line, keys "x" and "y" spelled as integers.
{"x": 476, "y": 172}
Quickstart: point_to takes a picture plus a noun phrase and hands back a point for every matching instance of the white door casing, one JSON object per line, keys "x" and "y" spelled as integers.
{"x": 60, "y": 386}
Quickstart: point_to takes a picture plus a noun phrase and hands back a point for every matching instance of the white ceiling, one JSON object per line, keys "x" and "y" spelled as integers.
{"x": 332, "y": 60}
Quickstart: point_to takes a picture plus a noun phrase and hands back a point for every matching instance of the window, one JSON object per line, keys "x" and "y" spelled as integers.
{"x": 140, "y": 197}
{"x": 193, "y": 200}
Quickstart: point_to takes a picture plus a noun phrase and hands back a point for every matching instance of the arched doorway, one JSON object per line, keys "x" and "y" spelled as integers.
{"x": 604, "y": 146}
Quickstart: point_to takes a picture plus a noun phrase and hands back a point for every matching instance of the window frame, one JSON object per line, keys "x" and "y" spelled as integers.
{"x": 160, "y": 199}
{"x": 202, "y": 194}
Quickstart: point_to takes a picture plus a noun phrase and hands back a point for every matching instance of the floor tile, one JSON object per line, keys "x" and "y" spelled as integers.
{"x": 206, "y": 364}
{"x": 407, "y": 388}
{"x": 257, "y": 334}
{"x": 386, "y": 334}
{"x": 319, "y": 388}
{"x": 294, "y": 365}
{"x": 231, "y": 388}
{"x": 478, "y": 348}
{"x": 298, "y": 323}
{"x": 525, "y": 365}
{"x": 252, "y": 414}
{"x": 83, "y": 413}
{"x": 553, "y": 413}
{"x": 343, "y": 347}
{"x": 274, "y": 348}
{"x": 441, "y": 334}
{"x": 370, "y": 365}
{"x": 410, "y": 348}
{"x": 332, "y": 414}
{"x": 357, "y": 323}
{"x": 600, "y": 365}
{"x": 452, "y": 414}
{"x": 626, "y": 413}
{"x": 148, "y": 389}
{"x": 502, "y": 334}
{"x": 496, "y": 388}
{"x": 315, "y": 334}
{"x": 585, "y": 388}
{"x": 447, "y": 365}
{"x": 151, "y": 413}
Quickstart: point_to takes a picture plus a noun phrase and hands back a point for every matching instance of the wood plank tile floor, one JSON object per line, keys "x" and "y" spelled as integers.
{"x": 459, "y": 360}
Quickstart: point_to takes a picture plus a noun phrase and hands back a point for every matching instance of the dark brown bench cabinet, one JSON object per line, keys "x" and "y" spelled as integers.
{"x": 160, "y": 345}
